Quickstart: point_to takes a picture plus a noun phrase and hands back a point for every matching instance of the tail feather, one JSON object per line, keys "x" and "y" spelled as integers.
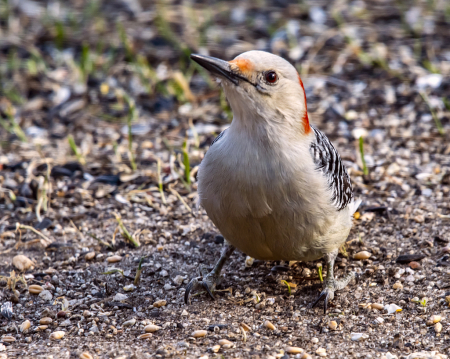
{"x": 354, "y": 205}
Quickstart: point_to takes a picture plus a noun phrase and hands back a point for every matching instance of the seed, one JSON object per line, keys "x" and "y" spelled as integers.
{"x": 151, "y": 328}
{"x": 332, "y": 325}
{"x": 306, "y": 356}
{"x": 199, "y": 333}
{"x": 245, "y": 327}
{"x": 377, "y": 306}
{"x": 25, "y": 326}
{"x": 89, "y": 256}
{"x": 8, "y": 339}
{"x": 45, "y": 320}
{"x": 438, "y": 327}
{"x": 35, "y": 289}
{"x": 129, "y": 323}
{"x": 61, "y": 314}
{"x": 224, "y": 342}
{"x": 160, "y": 303}
{"x": 314, "y": 340}
{"x": 294, "y": 350}
{"x": 41, "y": 327}
{"x": 362, "y": 255}
{"x": 50, "y": 271}
{"x": 433, "y": 320}
{"x": 57, "y": 335}
{"x": 398, "y": 285}
{"x": 22, "y": 263}
{"x": 269, "y": 325}
{"x": 145, "y": 336}
{"x": 215, "y": 348}
{"x": 86, "y": 355}
{"x": 114, "y": 259}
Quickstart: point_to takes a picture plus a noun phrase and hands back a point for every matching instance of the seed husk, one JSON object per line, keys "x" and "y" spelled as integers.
{"x": 215, "y": 348}
{"x": 114, "y": 259}
{"x": 8, "y": 339}
{"x": 22, "y": 263}
{"x": 362, "y": 255}
{"x": 332, "y": 325}
{"x": 45, "y": 320}
{"x": 398, "y": 285}
{"x": 145, "y": 336}
{"x": 35, "y": 289}
{"x": 245, "y": 327}
{"x": 86, "y": 355}
{"x": 160, "y": 303}
{"x": 129, "y": 323}
{"x": 25, "y": 326}
{"x": 294, "y": 350}
{"x": 224, "y": 342}
{"x": 89, "y": 256}
{"x": 377, "y": 306}
{"x": 151, "y": 328}
{"x": 438, "y": 327}
{"x": 269, "y": 325}
{"x": 57, "y": 335}
{"x": 199, "y": 333}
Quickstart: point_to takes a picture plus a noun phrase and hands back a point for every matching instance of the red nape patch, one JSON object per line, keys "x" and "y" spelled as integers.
{"x": 305, "y": 118}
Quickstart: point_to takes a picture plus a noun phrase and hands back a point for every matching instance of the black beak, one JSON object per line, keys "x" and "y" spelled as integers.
{"x": 217, "y": 67}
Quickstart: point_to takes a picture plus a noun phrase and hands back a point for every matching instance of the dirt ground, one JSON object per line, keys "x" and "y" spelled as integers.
{"x": 103, "y": 123}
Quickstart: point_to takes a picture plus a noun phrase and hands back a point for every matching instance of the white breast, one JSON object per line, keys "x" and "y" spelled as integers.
{"x": 266, "y": 198}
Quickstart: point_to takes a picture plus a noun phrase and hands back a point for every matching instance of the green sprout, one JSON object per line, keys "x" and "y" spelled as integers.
{"x": 76, "y": 150}
{"x": 361, "y": 151}
{"x": 423, "y": 302}
{"x": 137, "y": 278}
{"x": 186, "y": 163}
{"x": 436, "y": 119}
{"x": 125, "y": 232}
{"x": 319, "y": 270}
{"x": 288, "y": 286}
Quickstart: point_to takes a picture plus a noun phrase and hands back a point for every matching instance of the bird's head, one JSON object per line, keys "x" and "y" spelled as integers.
{"x": 261, "y": 86}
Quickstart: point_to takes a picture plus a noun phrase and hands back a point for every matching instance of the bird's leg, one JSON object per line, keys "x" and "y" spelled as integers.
{"x": 208, "y": 281}
{"x": 331, "y": 285}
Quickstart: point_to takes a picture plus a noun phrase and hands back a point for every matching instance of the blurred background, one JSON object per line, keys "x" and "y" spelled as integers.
{"x": 108, "y": 87}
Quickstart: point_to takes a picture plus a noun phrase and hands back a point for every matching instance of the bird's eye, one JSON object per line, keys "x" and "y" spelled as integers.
{"x": 271, "y": 77}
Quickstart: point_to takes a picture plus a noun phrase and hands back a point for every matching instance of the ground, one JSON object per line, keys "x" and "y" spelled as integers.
{"x": 103, "y": 123}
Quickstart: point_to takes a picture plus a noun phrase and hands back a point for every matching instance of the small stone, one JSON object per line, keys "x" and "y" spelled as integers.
{"x": 438, "y": 327}
{"x": 65, "y": 323}
{"x": 120, "y": 297}
{"x": 35, "y": 289}
{"x": 215, "y": 348}
{"x": 57, "y": 335}
{"x": 224, "y": 342}
{"x": 269, "y": 325}
{"x": 306, "y": 272}
{"x": 433, "y": 320}
{"x": 322, "y": 352}
{"x": 129, "y": 323}
{"x": 362, "y": 255}
{"x": 294, "y": 350}
{"x": 306, "y": 356}
{"x": 46, "y": 295}
{"x": 178, "y": 280}
{"x": 129, "y": 288}
{"x": 415, "y": 265}
{"x": 45, "y": 320}
{"x": 151, "y": 328}
{"x": 199, "y": 333}
{"x": 160, "y": 303}
{"x": 332, "y": 325}
{"x": 89, "y": 256}
{"x": 314, "y": 340}
{"x": 358, "y": 336}
{"x": 249, "y": 261}
{"x": 184, "y": 313}
{"x": 114, "y": 259}
{"x": 398, "y": 285}
{"x": 22, "y": 263}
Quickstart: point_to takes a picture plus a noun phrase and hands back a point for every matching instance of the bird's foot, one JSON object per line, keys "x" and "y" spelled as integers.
{"x": 207, "y": 281}
{"x": 330, "y": 286}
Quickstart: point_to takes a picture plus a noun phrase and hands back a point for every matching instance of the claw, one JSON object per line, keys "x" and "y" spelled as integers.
{"x": 325, "y": 295}
{"x": 208, "y": 291}
{"x": 193, "y": 283}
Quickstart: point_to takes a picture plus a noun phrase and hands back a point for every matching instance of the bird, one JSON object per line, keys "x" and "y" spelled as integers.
{"x": 272, "y": 183}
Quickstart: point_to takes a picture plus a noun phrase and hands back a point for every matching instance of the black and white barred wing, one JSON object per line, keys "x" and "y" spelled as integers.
{"x": 329, "y": 162}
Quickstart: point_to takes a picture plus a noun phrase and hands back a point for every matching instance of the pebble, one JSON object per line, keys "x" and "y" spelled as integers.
{"x": 249, "y": 261}
{"x": 89, "y": 256}
{"x": 151, "y": 328}
{"x": 438, "y": 327}
{"x": 314, "y": 340}
{"x": 294, "y": 350}
{"x": 398, "y": 285}
{"x": 199, "y": 333}
{"x": 22, "y": 263}
{"x": 46, "y": 295}
{"x": 306, "y": 356}
{"x": 322, "y": 352}
{"x": 86, "y": 355}
{"x": 25, "y": 326}
{"x": 226, "y": 344}
{"x": 332, "y": 325}
{"x": 415, "y": 265}
{"x": 129, "y": 288}
{"x": 362, "y": 255}
{"x": 35, "y": 289}
{"x": 114, "y": 259}
{"x": 160, "y": 303}
{"x": 119, "y": 297}
{"x": 129, "y": 323}
{"x": 306, "y": 272}
{"x": 45, "y": 320}
{"x": 358, "y": 336}
{"x": 178, "y": 280}
{"x": 215, "y": 348}
{"x": 57, "y": 335}
{"x": 433, "y": 320}
{"x": 269, "y": 325}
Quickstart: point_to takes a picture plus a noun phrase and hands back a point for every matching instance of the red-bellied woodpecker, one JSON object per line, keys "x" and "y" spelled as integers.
{"x": 273, "y": 185}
